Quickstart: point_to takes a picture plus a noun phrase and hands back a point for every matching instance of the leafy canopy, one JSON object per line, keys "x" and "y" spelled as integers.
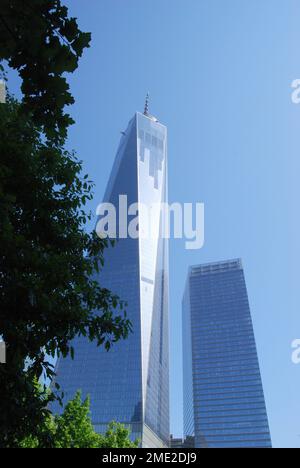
{"x": 47, "y": 262}
{"x": 40, "y": 42}
{"x": 74, "y": 429}
{"x": 47, "y": 258}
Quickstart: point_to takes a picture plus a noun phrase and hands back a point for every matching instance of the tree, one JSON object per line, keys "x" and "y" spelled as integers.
{"x": 74, "y": 429}
{"x": 40, "y": 42}
{"x": 117, "y": 436}
{"x": 47, "y": 260}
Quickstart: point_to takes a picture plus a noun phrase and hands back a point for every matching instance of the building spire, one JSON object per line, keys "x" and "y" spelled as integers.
{"x": 146, "y": 109}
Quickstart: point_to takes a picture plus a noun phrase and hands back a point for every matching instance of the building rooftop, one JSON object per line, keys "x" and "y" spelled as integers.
{"x": 215, "y": 267}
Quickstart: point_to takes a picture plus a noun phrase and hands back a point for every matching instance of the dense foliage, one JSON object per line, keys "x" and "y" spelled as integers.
{"x": 41, "y": 42}
{"x": 73, "y": 429}
{"x": 47, "y": 257}
{"x": 47, "y": 260}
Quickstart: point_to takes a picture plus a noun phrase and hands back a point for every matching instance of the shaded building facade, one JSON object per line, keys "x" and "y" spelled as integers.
{"x": 224, "y": 405}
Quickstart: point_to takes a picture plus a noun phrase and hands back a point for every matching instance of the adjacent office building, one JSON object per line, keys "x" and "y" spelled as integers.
{"x": 179, "y": 443}
{"x": 224, "y": 403}
{"x": 130, "y": 383}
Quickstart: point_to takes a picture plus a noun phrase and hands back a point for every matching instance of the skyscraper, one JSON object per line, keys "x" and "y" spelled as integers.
{"x": 224, "y": 403}
{"x": 130, "y": 383}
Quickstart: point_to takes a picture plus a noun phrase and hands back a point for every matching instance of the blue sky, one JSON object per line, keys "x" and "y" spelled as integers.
{"x": 219, "y": 75}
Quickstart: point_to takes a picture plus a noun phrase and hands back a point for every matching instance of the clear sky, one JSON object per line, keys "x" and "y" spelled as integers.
{"x": 219, "y": 74}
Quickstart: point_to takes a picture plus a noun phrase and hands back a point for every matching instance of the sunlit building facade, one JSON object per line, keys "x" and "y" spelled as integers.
{"x": 130, "y": 383}
{"x": 224, "y": 405}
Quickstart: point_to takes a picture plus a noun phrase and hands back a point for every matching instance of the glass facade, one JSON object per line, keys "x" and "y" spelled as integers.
{"x": 130, "y": 383}
{"x": 224, "y": 405}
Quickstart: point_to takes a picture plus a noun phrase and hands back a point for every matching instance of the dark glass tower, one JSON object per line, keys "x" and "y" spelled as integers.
{"x": 130, "y": 383}
{"x": 224, "y": 403}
